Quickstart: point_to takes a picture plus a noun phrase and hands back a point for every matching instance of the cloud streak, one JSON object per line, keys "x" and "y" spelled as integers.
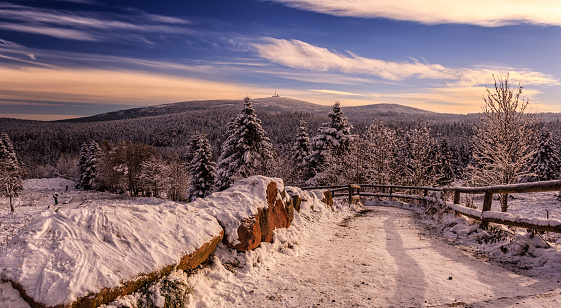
{"x": 86, "y": 26}
{"x": 300, "y": 55}
{"x": 486, "y": 13}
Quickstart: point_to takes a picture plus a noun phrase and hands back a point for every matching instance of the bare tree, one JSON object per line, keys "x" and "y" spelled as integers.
{"x": 504, "y": 139}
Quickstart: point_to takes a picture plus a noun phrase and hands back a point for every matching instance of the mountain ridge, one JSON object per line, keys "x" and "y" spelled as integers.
{"x": 271, "y": 104}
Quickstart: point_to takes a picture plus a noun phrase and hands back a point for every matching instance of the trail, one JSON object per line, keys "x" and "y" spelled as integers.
{"x": 384, "y": 258}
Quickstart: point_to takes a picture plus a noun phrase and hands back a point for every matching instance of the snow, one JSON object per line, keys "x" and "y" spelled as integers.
{"x": 66, "y": 254}
{"x": 237, "y": 203}
{"x": 396, "y": 255}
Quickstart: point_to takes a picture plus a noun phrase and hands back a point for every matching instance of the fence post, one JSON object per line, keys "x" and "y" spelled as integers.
{"x": 487, "y": 201}
{"x": 425, "y": 194}
{"x": 456, "y": 197}
{"x": 391, "y": 190}
{"x": 350, "y": 193}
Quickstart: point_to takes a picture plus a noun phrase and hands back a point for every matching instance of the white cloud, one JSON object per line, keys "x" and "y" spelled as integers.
{"x": 335, "y": 92}
{"x": 300, "y": 55}
{"x": 50, "y": 31}
{"x": 487, "y": 13}
{"x": 86, "y": 26}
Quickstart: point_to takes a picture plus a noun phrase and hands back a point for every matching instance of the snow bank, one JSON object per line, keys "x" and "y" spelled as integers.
{"x": 48, "y": 184}
{"x": 237, "y": 203}
{"x": 66, "y": 255}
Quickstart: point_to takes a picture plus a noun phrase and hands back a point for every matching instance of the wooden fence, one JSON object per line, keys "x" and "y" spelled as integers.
{"x": 354, "y": 192}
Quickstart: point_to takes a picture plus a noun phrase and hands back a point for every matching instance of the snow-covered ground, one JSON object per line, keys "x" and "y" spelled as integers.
{"x": 394, "y": 255}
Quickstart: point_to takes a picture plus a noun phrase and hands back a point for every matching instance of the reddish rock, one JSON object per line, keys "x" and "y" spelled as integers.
{"x": 259, "y": 228}
{"x": 249, "y": 234}
{"x": 327, "y": 198}
{"x": 275, "y": 216}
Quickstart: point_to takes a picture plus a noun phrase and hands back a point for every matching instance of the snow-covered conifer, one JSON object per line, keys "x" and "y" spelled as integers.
{"x": 10, "y": 170}
{"x": 546, "y": 164}
{"x": 201, "y": 168}
{"x": 301, "y": 147}
{"x": 90, "y": 156}
{"x": 332, "y": 139}
{"x": 247, "y": 150}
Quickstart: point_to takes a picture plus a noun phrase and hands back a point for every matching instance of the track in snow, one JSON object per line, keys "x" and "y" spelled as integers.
{"x": 384, "y": 258}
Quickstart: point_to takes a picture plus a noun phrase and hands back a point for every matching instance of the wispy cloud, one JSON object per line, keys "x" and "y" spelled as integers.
{"x": 86, "y": 26}
{"x": 300, "y": 55}
{"x": 60, "y": 33}
{"x": 335, "y": 92}
{"x": 487, "y": 13}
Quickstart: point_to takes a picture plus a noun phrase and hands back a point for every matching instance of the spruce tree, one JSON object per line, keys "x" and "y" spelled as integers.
{"x": 89, "y": 163}
{"x": 332, "y": 139}
{"x": 301, "y": 147}
{"x": 247, "y": 150}
{"x": 546, "y": 164}
{"x": 84, "y": 153}
{"x": 11, "y": 172}
{"x": 201, "y": 169}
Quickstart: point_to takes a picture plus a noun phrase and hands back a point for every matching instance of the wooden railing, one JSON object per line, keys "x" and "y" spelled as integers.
{"x": 485, "y": 215}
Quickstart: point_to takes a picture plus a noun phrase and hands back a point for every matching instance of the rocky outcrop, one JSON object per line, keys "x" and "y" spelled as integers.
{"x": 275, "y": 213}
{"x": 249, "y": 211}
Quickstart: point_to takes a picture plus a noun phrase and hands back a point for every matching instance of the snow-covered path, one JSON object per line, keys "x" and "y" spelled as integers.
{"x": 384, "y": 258}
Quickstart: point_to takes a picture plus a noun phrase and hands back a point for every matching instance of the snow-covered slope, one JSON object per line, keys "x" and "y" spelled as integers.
{"x": 64, "y": 255}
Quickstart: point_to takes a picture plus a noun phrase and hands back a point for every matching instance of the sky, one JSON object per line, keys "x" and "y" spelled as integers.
{"x": 71, "y": 58}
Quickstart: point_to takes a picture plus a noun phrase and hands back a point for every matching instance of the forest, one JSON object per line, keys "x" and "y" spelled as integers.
{"x": 165, "y": 150}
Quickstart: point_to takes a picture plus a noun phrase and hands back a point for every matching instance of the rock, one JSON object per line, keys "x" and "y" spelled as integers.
{"x": 259, "y": 228}
{"x": 249, "y": 234}
{"x": 275, "y": 215}
{"x": 327, "y": 198}
{"x": 249, "y": 211}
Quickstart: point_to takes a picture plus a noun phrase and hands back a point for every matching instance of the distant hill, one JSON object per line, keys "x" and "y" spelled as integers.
{"x": 269, "y": 104}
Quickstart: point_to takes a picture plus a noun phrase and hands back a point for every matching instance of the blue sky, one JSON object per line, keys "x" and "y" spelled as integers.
{"x": 61, "y": 59}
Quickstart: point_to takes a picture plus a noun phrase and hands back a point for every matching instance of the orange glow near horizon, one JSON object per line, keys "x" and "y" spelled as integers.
{"x": 133, "y": 88}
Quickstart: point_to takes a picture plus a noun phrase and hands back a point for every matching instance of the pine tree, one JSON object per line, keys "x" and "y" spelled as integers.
{"x": 333, "y": 139}
{"x": 246, "y": 152}
{"x": 89, "y": 163}
{"x": 503, "y": 143}
{"x": 301, "y": 147}
{"x": 84, "y": 153}
{"x": 224, "y": 178}
{"x": 546, "y": 164}
{"x": 201, "y": 169}
{"x": 11, "y": 172}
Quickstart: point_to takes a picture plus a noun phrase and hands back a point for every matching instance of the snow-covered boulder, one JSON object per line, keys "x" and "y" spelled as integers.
{"x": 89, "y": 256}
{"x": 250, "y": 210}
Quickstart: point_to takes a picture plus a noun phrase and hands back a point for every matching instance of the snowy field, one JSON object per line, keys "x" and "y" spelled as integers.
{"x": 395, "y": 255}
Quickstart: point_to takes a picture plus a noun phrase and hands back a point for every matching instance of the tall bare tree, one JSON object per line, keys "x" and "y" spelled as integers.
{"x": 504, "y": 138}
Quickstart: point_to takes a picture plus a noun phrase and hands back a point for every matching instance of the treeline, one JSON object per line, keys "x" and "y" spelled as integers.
{"x": 154, "y": 155}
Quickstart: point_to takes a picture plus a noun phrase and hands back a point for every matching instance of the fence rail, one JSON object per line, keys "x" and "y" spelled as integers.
{"x": 485, "y": 215}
